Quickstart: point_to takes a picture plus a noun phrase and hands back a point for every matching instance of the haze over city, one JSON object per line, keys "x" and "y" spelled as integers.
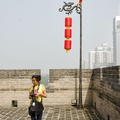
{"x": 32, "y": 32}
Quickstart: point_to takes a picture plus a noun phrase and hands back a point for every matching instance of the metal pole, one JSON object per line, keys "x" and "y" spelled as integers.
{"x": 68, "y": 7}
{"x": 80, "y": 70}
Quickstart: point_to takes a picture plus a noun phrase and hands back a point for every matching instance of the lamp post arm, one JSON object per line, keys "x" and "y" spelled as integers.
{"x": 68, "y": 7}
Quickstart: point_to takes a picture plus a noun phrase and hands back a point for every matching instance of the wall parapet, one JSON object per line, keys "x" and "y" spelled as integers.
{"x": 106, "y": 91}
{"x": 100, "y": 88}
{"x": 18, "y": 73}
{"x": 14, "y": 86}
{"x": 110, "y": 75}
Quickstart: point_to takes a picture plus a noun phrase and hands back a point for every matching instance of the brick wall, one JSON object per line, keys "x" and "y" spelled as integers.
{"x": 64, "y": 87}
{"x": 106, "y": 92}
{"x": 100, "y": 88}
{"x": 14, "y": 85}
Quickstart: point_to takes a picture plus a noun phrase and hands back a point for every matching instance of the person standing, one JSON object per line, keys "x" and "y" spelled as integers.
{"x": 39, "y": 91}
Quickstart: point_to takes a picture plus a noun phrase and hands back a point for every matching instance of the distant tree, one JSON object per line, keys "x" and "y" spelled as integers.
{"x": 45, "y": 80}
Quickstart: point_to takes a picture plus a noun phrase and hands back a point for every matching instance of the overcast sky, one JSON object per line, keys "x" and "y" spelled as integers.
{"x": 32, "y": 32}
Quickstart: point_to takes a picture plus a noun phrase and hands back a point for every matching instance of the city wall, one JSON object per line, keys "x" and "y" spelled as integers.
{"x": 14, "y": 87}
{"x": 100, "y": 89}
{"x": 106, "y": 92}
{"x": 64, "y": 87}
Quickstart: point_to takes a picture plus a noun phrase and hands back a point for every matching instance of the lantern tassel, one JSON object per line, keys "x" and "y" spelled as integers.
{"x": 67, "y": 51}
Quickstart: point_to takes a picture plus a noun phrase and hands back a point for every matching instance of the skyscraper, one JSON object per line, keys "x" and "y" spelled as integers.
{"x": 101, "y": 57}
{"x": 91, "y": 59}
{"x": 116, "y": 40}
{"x": 86, "y": 64}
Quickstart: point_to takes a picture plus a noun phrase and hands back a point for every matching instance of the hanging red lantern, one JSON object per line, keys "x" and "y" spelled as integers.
{"x": 68, "y": 33}
{"x": 67, "y": 45}
{"x": 68, "y": 22}
{"x": 79, "y": 1}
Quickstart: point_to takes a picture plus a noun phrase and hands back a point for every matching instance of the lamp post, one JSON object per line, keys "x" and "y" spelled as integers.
{"x": 68, "y": 8}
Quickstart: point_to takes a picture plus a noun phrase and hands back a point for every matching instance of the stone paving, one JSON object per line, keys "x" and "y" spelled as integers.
{"x": 51, "y": 113}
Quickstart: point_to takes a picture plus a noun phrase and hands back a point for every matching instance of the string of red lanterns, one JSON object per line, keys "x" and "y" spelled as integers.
{"x": 68, "y": 34}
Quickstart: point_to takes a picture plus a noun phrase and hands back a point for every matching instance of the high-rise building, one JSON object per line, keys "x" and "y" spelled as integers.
{"x": 86, "y": 64}
{"x": 91, "y": 59}
{"x": 101, "y": 57}
{"x": 116, "y": 40}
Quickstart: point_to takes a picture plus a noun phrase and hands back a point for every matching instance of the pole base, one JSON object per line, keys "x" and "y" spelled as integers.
{"x": 79, "y": 106}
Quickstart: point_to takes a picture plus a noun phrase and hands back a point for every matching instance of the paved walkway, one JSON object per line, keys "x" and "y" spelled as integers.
{"x": 50, "y": 113}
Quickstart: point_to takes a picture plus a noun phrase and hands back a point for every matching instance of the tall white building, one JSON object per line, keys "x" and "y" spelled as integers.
{"x": 116, "y": 40}
{"x": 91, "y": 59}
{"x": 101, "y": 57}
{"x": 86, "y": 64}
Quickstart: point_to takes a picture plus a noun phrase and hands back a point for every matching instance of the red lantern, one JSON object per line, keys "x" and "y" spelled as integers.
{"x": 67, "y": 45}
{"x": 68, "y": 33}
{"x": 79, "y": 1}
{"x": 68, "y": 22}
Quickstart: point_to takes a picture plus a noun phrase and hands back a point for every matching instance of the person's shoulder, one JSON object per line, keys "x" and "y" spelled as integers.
{"x": 31, "y": 87}
{"x": 42, "y": 85}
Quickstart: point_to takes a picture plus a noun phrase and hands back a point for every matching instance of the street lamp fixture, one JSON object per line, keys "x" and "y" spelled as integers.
{"x": 68, "y": 8}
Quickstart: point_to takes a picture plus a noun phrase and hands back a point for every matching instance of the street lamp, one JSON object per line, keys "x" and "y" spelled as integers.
{"x": 68, "y": 8}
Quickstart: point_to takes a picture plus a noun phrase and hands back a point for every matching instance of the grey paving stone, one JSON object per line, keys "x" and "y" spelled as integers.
{"x": 50, "y": 113}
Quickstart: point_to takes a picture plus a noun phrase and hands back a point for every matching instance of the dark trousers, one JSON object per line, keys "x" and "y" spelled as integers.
{"x": 38, "y": 117}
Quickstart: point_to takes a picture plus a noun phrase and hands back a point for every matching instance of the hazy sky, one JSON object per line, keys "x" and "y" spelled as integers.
{"x": 32, "y": 32}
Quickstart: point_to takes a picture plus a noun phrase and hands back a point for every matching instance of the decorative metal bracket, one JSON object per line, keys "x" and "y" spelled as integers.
{"x": 68, "y": 7}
